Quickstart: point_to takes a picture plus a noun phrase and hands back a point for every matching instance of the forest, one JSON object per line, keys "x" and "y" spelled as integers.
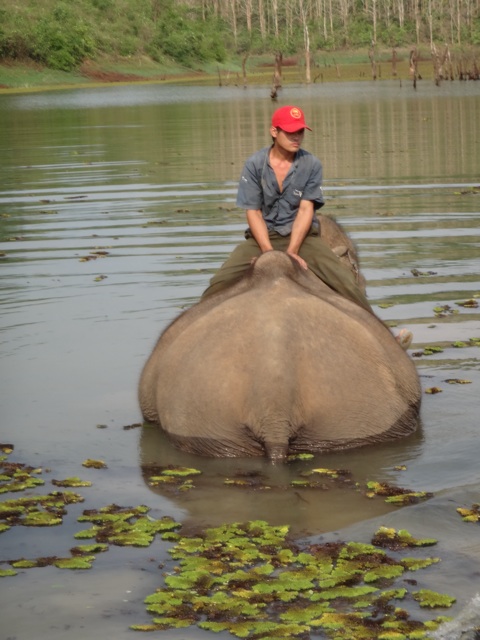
{"x": 61, "y": 34}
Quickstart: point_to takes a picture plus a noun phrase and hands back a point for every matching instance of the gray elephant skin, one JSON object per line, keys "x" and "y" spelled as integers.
{"x": 279, "y": 364}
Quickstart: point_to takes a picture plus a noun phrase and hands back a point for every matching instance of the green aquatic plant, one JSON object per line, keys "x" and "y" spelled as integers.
{"x": 38, "y": 510}
{"x": 170, "y": 477}
{"x": 295, "y": 457}
{"x": 322, "y": 478}
{"x": 74, "y": 562}
{"x": 94, "y": 464}
{"x": 253, "y": 581}
{"x": 181, "y": 472}
{"x": 427, "y": 351}
{"x": 72, "y": 482}
{"x": 470, "y": 515}
{"x": 395, "y": 495}
{"x": 442, "y": 311}
{"x": 125, "y": 526}
{"x": 86, "y": 549}
{"x": 329, "y": 473}
{"x": 390, "y": 538}
{"x": 431, "y": 599}
{"x": 411, "y": 497}
{"x": 15, "y": 476}
{"x": 471, "y": 303}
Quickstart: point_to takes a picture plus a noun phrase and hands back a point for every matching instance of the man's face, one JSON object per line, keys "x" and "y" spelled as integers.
{"x": 288, "y": 141}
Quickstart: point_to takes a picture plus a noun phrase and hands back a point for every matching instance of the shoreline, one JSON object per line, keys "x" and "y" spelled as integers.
{"x": 344, "y": 66}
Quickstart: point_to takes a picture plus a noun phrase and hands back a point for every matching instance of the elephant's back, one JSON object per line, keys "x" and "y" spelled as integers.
{"x": 284, "y": 357}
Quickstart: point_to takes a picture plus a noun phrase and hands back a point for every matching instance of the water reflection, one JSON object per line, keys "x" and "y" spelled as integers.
{"x": 273, "y": 498}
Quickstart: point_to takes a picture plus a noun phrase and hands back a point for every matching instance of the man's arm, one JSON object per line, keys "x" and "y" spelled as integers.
{"x": 301, "y": 227}
{"x": 259, "y": 229}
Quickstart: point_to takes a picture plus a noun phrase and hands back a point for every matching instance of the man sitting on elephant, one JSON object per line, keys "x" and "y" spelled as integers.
{"x": 281, "y": 190}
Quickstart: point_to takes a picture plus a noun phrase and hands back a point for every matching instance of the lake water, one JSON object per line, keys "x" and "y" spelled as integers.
{"x": 116, "y": 206}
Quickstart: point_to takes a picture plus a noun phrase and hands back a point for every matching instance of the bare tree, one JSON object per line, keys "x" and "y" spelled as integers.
{"x": 275, "y": 17}
{"x": 306, "y": 41}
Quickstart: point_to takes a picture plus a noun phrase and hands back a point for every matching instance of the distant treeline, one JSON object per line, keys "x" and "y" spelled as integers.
{"x": 61, "y": 34}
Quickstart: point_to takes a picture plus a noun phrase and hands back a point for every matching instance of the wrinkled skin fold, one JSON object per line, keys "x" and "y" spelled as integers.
{"x": 279, "y": 364}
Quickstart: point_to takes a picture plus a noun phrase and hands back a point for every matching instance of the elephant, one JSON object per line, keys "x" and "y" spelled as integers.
{"x": 278, "y": 364}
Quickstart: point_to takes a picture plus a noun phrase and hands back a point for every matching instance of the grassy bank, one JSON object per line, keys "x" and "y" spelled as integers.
{"x": 339, "y": 66}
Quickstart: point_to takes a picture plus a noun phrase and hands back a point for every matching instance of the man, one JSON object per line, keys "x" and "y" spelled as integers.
{"x": 281, "y": 189}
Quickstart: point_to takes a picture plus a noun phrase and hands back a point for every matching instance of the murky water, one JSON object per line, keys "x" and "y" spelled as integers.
{"x": 116, "y": 206}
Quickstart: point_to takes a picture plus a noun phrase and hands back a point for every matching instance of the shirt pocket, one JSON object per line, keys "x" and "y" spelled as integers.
{"x": 292, "y": 195}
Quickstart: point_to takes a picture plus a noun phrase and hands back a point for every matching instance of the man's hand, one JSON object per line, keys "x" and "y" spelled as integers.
{"x": 300, "y": 260}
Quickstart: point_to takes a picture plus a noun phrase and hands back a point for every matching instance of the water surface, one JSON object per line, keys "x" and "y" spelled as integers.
{"x": 116, "y": 206}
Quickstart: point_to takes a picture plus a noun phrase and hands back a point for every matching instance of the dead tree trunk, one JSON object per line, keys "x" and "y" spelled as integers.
{"x": 436, "y": 65}
{"x": 277, "y": 76}
{"x": 373, "y": 62}
{"x": 394, "y": 63}
{"x": 414, "y": 66}
{"x": 244, "y": 69}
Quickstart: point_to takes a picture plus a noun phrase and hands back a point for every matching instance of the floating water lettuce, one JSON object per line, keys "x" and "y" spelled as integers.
{"x": 38, "y": 510}
{"x": 470, "y": 515}
{"x": 444, "y": 310}
{"x": 395, "y": 495}
{"x": 74, "y": 562}
{"x": 299, "y": 457}
{"x": 427, "y": 351}
{"x": 322, "y": 478}
{"x": 18, "y": 477}
{"x": 72, "y": 482}
{"x": 428, "y": 598}
{"x": 433, "y": 390}
{"x": 125, "y": 526}
{"x": 390, "y": 538}
{"x": 254, "y": 582}
{"x": 468, "y": 304}
{"x": 170, "y": 477}
{"x": 94, "y": 464}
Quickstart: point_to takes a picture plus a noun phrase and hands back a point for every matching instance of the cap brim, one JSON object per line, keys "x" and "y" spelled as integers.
{"x": 296, "y": 128}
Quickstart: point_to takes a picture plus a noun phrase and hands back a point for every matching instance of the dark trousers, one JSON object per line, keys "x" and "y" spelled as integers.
{"x": 319, "y": 257}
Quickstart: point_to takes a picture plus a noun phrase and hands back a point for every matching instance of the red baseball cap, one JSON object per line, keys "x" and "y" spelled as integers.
{"x": 289, "y": 119}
